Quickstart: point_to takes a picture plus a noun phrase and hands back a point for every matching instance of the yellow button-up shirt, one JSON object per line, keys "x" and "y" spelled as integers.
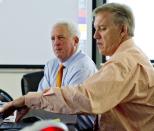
{"x": 121, "y": 92}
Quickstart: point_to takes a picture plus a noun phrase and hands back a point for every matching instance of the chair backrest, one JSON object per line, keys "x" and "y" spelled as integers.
{"x": 4, "y": 96}
{"x": 30, "y": 81}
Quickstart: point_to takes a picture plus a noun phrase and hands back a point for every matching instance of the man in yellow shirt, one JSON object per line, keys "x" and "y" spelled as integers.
{"x": 121, "y": 92}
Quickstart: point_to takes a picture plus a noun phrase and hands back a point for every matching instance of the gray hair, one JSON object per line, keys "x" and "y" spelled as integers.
{"x": 122, "y": 15}
{"x": 73, "y": 30}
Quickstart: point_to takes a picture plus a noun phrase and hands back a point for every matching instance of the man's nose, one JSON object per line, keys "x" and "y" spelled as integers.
{"x": 56, "y": 42}
{"x": 96, "y": 35}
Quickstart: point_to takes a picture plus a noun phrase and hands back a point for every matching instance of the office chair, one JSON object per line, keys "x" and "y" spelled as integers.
{"x": 30, "y": 81}
{"x": 4, "y": 96}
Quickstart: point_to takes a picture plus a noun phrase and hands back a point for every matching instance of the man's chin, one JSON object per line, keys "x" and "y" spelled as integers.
{"x": 60, "y": 58}
{"x": 101, "y": 52}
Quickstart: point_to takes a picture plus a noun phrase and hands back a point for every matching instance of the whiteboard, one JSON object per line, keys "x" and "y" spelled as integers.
{"x": 25, "y": 27}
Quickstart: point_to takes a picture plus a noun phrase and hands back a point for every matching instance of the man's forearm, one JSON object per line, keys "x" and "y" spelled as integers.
{"x": 20, "y": 102}
{"x": 32, "y": 100}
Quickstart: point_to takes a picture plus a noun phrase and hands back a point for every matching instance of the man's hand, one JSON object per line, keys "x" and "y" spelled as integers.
{"x": 21, "y": 112}
{"x": 7, "y": 109}
{"x": 10, "y": 107}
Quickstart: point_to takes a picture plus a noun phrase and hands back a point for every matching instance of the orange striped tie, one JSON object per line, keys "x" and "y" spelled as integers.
{"x": 59, "y": 76}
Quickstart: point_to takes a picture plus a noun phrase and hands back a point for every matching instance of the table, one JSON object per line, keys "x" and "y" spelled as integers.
{"x": 69, "y": 120}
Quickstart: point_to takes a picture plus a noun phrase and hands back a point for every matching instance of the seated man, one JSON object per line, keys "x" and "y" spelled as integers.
{"x": 77, "y": 66}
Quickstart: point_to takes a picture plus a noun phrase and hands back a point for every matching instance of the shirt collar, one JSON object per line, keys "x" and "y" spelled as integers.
{"x": 125, "y": 45}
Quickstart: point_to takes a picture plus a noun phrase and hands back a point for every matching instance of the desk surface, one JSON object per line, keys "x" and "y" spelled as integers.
{"x": 69, "y": 120}
{"x": 44, "y": 115}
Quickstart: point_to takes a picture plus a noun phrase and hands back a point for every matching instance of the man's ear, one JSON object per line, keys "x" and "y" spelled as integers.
{"x": 124, "y": 30}
{"x": 76, "y": 40}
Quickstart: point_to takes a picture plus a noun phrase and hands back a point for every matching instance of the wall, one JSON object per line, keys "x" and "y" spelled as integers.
{"x": 10, "y": 80}
{"x": 25, "y": 26}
